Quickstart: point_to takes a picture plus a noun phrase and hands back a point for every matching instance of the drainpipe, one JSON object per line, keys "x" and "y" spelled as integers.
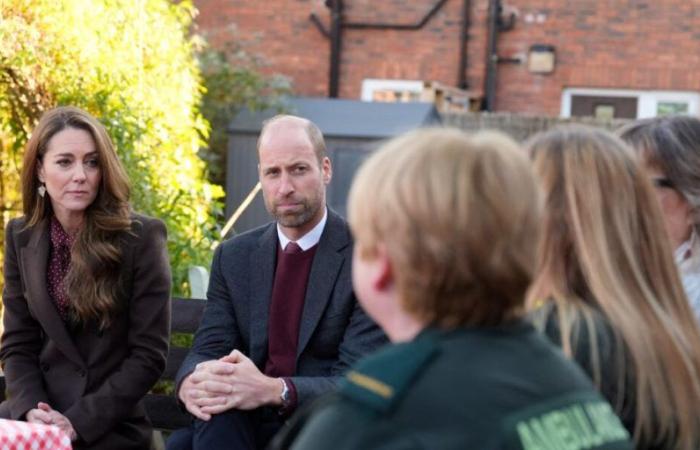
{"x": 462, "y": 81}
{"x": 336, "y": 46}
{"x": 496, "y": 24}
{"x": 491, "y": 56}
{"x": 335, "y": 34}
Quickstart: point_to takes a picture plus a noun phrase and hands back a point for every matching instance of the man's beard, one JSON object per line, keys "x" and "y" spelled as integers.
{"x": 297, "y": 219}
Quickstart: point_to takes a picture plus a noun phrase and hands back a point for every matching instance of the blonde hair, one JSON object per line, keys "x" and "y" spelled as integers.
{"x": 459, "y": 218}
{"x": 92, "y": 283}
{"x": 605, "y": 251}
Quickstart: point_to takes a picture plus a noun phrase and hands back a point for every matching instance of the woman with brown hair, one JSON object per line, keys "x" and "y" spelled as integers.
{"x": 670, "y": 151}
{"x": 607, "y": 289}
{"x": 87, "y": 288}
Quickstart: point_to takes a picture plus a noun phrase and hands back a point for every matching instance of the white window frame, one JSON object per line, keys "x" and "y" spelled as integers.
{"x": 369, "y": 85}
{"x": 647, "y": 101}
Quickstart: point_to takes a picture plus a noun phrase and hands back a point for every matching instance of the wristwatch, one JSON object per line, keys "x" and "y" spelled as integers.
{"x": 284, "y": 396}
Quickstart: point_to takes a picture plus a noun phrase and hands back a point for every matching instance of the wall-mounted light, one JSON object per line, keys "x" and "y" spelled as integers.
{"x": 541, "y": 58}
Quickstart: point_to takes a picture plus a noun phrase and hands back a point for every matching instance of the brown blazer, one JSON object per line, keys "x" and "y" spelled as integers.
{"x": 97, "y": 379}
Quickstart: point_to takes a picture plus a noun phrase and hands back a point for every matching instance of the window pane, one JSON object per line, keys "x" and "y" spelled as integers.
{"x": 666, "y": 108}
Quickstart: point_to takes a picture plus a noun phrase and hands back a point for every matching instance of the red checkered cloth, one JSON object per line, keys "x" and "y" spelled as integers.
{"x": 31, "y": 436}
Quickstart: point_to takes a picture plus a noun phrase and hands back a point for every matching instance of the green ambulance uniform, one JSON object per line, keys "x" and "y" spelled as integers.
{"x": 504, "y": 388}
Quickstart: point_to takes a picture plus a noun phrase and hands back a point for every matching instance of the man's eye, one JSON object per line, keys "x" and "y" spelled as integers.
{"x": 300, "y": 169}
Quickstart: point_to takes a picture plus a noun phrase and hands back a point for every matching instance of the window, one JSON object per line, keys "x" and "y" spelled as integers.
{"x": 625, "y": 103}
{"x": 377, "y": 90}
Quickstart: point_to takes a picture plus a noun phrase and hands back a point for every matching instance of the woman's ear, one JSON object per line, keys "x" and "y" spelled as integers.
{"x": 40, "y": 171}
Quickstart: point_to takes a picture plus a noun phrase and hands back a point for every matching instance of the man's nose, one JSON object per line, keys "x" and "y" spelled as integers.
{"x": 286, "y": 186}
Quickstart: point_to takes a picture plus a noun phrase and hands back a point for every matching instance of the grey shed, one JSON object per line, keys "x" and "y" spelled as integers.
{"x": 351, "y": 128}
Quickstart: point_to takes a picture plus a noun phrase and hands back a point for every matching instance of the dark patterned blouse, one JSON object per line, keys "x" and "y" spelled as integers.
{"x": 59, "y": 263}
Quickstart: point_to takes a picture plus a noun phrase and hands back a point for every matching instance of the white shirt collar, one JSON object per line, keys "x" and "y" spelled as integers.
{"x": 309, "y": 239}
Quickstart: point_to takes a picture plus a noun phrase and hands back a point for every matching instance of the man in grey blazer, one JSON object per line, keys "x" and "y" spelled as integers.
{"x": 282, "y": 322}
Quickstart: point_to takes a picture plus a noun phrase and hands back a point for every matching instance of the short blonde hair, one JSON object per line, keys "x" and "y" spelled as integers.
{"x": 459, "y": 216}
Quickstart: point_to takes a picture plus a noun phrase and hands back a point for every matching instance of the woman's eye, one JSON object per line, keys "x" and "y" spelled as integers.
{"x": 92, "y": 163}
{"x": 63, "y": 162}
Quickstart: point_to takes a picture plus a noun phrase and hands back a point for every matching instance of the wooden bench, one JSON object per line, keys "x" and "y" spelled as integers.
{"x": 163, "y": 409}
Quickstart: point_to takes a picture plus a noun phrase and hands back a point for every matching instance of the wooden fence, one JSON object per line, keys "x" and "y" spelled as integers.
{"x": 519, "y": 127}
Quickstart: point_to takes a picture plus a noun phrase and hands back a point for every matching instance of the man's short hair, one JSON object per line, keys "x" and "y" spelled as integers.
{"x": 312, "y": 131}
{"x": 459, "y": 218}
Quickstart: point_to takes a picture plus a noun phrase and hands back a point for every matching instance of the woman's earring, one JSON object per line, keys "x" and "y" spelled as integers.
{"x": 42, "y": 190}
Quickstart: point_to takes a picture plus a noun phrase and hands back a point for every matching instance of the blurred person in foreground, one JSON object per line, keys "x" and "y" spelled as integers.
{"x": 607, "y": 289}
{"x": 670, "y": 151}
{"x": 446, "y": 229}
{"x": 86, "y": 304}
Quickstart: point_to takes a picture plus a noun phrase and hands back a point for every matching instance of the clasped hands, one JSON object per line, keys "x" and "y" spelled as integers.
{"x": 231, "y": 382}
{"x": 45, "y": 415}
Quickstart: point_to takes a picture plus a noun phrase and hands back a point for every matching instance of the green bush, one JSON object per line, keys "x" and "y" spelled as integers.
{"x": 132, "y": 63}
{"x": 233, "y": 81}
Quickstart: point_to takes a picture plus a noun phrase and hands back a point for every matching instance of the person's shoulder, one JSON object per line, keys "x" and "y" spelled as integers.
{"x": 330, "y": 417}
{"x": 337, "y": 231}
{"x": 380, "y": 380}
{"x": 17, "y": 224}
{"x": 17, "y": 232}
{"x": 142, "y": 224}
{"x": 250, "y": 238}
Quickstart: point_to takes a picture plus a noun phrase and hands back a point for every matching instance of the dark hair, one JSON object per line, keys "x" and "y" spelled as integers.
{"x": 92, "y": 283}
{"x": 671, "y": 144}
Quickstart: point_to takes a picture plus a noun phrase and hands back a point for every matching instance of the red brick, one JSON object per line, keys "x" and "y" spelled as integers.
{"x": 630, "y": 44}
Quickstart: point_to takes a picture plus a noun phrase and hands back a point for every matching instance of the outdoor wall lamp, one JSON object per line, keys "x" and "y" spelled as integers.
{"x": 541, "y": 58}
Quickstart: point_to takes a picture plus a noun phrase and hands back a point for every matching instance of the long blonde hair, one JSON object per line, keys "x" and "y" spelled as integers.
{"x": 605, "y": 251}
{"x": 92, "y": 283}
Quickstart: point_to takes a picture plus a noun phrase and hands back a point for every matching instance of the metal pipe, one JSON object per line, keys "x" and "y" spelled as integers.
{"x": 336, "y": 34}
{"x": 491, "y": 56}
{"x": 336, "y": 47}
{"x": 392, "y": 26}
{"x": 462, "y": 81}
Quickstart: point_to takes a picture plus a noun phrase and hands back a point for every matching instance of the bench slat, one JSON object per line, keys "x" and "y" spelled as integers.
{"x": 175, "y": 358}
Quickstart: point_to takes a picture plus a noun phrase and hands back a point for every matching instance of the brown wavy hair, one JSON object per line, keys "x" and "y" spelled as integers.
{"x": 605, "y": 251}
{"x": 92, "y": 283}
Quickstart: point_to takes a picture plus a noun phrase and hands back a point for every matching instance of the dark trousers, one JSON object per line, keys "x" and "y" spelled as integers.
{"x": 234, "y": 430}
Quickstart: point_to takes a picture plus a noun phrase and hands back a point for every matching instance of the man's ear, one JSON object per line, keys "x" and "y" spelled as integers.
{"x": 326, "y": 170}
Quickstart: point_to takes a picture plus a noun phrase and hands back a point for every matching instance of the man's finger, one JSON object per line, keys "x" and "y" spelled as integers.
{"x": 214, "y": 388}
{"x": 234, "y": 357}
{"x": 209, "y": 401}
{"x": 217, "y": 409}
{"x": 195, "y": 411}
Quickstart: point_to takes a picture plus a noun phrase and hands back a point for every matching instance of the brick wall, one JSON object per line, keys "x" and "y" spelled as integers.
{"x": 633, "y": 44}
